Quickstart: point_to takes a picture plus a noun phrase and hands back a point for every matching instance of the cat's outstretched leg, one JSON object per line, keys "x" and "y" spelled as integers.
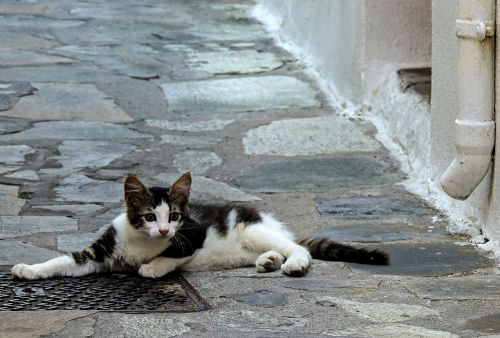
{"x": 95, "y": 258}
{"x": 60, "y": 266}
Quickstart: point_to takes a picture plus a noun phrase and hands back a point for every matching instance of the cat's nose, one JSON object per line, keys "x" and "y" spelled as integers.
{"x": 163, "y": 232}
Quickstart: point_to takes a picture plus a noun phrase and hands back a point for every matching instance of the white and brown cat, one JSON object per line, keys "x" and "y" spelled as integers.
{"x": 161, "y": 231}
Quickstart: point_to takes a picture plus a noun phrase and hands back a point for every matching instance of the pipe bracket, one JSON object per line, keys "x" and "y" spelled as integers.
{"x": 474, "y": 137}
{"x": 476, "y": 30}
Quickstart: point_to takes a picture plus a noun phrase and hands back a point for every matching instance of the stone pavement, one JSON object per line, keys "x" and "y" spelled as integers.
{"x": 93, "y": 90}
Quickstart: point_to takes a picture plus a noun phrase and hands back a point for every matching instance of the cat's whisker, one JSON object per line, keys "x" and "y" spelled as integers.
{"x": 180, "y": 245}
{"x": 186, "y": 240}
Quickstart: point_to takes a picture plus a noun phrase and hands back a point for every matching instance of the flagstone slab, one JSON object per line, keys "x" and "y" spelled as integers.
{"x": 190, "y": 126}
{"x": 264, "y": 298}
{"x": 104, "y": 50}
{"x": 14, "y": 154}
{"x": 16, "y": 41}
{"x": 206, "y": 186}
{"x": 74, "y": 73}
{"x": 250, "y": 321}
{"x": 178, "y": 36}
{"x": 246, "y": 31}
{"x": 427, "y": 259}
{"x": 380, "y": 312}
{"x": 13, "y": 252}
{"x": 77, "y": 154}
{"x": 462, "y": 288}
{"x": 131, "y": 64}
{"x": 112, "y": 174}
{"x": 19, "y": 58}
{"x": 196, "y": 162}
{"x": 488, "y": 324}
{"x": 76, "y": 209}
{"x": 148, "y": 324}
{"x": 189, "y": 140}
{"x": 239, "y": 94}
{"x": 216, "y": 47}
{"x": 10, "y": 125}
{"x": 134, "y": 71}
{"x": 75, "y": 130}
{"x": 380, "y": 232}
{"x": 26, "y": 8}
{"x": 17, "y": 226}
{"x": 308, "y": 136}
{"x": 324, "y": 174}
{"x": 234, "y": 62}
{"x": 373, "y": 207}
{"x": 130, "y": 12}
{"x": 28, "y": 175}
{"x": 10, "y": 93}
{"x": 7, "y": 169}
{"x": 10, "y": 203}
{"x": 80, "y": 188}
{"x": 20, "y": 24}
{"x": 108, "y": 32}
{"x": 137, "y": 66}
{"x": 184, "y": 74}
{"x": 243, "y": 45}
{"x": 179, "y": 48}
{"x": 338, "y": 285}
{"x": 68, "y": 101}
{"x": 391, "y": 330}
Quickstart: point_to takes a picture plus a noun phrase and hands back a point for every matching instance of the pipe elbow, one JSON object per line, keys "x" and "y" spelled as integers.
{"x": 474, "y": 144}
{"x": 464, "y": 175}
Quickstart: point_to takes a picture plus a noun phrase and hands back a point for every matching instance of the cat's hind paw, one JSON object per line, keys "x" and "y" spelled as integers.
{"x": 151, "y": 271}
{"x": 295, "y": 267}
{"x": 269, "y": 261}
{"x": 24, "y": 271}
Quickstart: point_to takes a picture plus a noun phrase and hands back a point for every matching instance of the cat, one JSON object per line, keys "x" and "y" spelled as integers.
{"x": 160, "y": 231}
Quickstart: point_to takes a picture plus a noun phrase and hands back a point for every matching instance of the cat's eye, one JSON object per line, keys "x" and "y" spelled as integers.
{"x": 150, "y": 217}
{"x": 174, "y": 216}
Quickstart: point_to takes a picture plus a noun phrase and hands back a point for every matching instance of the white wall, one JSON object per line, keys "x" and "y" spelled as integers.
{"x": 330, "y": 32}
{"x": 354, "y": 43}
{"x": 398, "y": 30}
{"x": 397, "y": 34}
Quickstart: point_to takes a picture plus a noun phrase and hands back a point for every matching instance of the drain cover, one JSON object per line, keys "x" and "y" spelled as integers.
{"x": 113, "y": 292}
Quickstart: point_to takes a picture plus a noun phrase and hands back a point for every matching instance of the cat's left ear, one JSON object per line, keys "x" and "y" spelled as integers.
{"x": 180, "y": 190}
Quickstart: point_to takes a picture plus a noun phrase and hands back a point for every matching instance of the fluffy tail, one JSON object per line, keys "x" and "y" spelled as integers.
{"x": 328, "y": 250}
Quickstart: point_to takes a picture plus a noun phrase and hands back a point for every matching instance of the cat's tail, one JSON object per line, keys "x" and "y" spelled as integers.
{"x": 328, "y": 250}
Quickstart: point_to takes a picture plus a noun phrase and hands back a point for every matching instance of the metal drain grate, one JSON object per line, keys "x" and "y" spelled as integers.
{"x": 113, "y": 292}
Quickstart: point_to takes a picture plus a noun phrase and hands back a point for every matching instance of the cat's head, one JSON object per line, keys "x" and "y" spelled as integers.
{"x": 157, "y": 211}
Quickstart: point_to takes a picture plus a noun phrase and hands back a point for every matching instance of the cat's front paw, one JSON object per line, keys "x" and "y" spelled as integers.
{"x": 151, "y": 271}
{"x": 269, "y": 261}
{"x": 24, "y": 271}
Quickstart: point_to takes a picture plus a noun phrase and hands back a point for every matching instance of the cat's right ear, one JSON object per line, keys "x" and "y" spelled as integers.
{"x": 136, "y": 194}
{"x": 180, "y": 190}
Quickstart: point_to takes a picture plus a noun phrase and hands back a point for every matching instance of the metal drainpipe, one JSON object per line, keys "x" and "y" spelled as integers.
{"x": 474, "y": 126}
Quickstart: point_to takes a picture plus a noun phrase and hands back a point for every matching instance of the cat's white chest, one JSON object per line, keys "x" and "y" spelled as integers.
{"x": 133, "y": 248}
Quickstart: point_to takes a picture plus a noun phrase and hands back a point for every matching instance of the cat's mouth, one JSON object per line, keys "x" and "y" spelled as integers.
{"x": 159, "y": 236}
